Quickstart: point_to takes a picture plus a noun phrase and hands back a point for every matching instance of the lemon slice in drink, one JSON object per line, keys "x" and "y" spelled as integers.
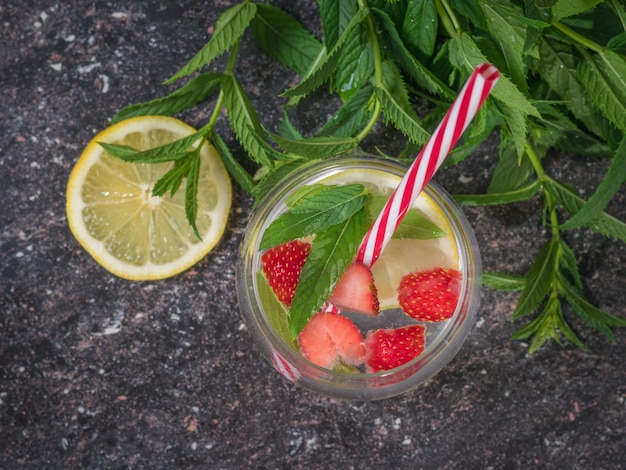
{"x": 132, "y": 234}
{"x": 402, "y": 256}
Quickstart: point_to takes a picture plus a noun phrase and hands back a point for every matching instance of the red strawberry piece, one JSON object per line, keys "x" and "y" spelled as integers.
{"x": 356, "y": 291}
{"x": 328, "y": 338}
{"x": 282, "y": 266}
{"x": 430, "y": 295}
{"x": 390, "y": 348}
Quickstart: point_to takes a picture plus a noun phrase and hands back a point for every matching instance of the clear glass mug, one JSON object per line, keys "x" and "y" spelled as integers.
{"x": 441, "y": 346}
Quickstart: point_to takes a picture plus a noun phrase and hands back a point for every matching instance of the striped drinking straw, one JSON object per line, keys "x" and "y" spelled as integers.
{"x": 456, "y": 120}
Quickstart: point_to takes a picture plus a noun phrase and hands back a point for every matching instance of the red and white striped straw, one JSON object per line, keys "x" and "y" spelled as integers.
{"x": 456, "y": 120}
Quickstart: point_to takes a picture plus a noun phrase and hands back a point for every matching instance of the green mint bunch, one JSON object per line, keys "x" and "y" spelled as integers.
{"x": 562, "y": 88}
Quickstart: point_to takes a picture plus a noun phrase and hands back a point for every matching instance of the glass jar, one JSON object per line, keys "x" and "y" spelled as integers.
{"x": 444, "y": 340}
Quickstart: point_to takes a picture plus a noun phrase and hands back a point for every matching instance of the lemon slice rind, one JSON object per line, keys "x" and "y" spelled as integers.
{"x": 158, "y": 222}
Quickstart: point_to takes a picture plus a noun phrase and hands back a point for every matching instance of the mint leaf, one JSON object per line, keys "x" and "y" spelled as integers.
{"x": 229, "y": 28}
{"x": 414, "y": 225}
{"x": 304, "y": 192}
{"x": 351, "y": 116}
{"x": 172, "y": 180}
{"x": 510, "y": 36}
{"x": 356, "y": 63}
{"x": 511, "y": 172}
{"x": 334, "y": 18}
{"x": 193, "y": 92}
{"x": 558, "y": 69}
{"x": 466, "y": 55}
{"x": 331, "y": 253}
{"x": 275, "y": 310}
{"x": 324, "y": 69}
{"x": 316, "y": 147}
{"x": 566, "y": 8}
{"x": 572, "y": 203}
{"x": 407, "y": 61}
{"x": 522, "y": 193}
{"x": 238, "y": 172}
{"x": 568, "y": 266}
{"x": 287, "y": 129}
{"x": 396, "y": 106}
{"x": 546, "y": 327}
{"x": 604, "y": 78}
{"x": 335, "y": 199}
{"x": 283, "y": 38}
{"x": 419, "y": 28}
{"x": 191, "y": 191}
{"x": 539, "y": 281}
{"x": 503, "y": 281}
{"x": 272, "y": 178}
{"x": 611, "y": 183}
{"x": 243, "y": 117}
{"x": 562, "y": 132}
{"x": 593, "y": 316}
{"x": 315, "y": 212}
{"x": 175, "y": 150}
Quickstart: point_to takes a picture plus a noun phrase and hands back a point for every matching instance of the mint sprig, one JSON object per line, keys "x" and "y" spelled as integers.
{"x": 562, "y": 89}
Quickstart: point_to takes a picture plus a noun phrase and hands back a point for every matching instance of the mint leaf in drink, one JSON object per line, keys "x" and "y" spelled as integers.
{"x": 304, "y": 192}
{"x": 317, "y": 208}
{"x": 332, "y": 251}
{"x": 337, "y": 200}
{"x": 415, "y": 224}
{"x": 277, "y": 313}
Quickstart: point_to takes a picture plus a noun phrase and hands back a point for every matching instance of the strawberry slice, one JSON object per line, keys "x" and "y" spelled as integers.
{"x": 328, "y": 338}
{"x": 356, "y": 291}
{"x": 430, "y": 295}
{"x": 282, "y": 266}
{"x": 390, "y": 348}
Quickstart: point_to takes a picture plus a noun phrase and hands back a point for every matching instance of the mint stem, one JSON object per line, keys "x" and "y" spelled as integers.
{"x": 378, "y": 76}
{"x": 448, "y": 18}
{"x": 583, "y": 41}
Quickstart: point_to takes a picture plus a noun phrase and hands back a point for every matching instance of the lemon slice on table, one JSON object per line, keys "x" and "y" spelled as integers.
{"x": 112, "y": 213}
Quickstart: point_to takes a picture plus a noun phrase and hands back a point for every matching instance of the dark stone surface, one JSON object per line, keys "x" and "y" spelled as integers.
{"x": 178, "y": 383}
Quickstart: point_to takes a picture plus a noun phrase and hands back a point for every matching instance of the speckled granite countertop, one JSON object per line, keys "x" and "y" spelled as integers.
{"x": 178, "y": 383}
